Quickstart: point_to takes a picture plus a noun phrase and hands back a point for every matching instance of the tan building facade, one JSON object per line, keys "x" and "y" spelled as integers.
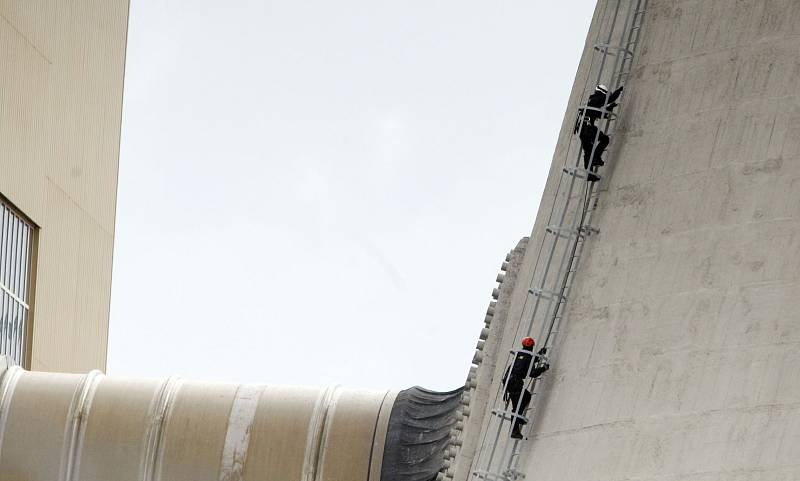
{"x": 61, "y": 80}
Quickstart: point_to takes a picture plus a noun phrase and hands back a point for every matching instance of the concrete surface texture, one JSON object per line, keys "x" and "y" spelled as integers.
{"x": 679, "y": 358}
{"x": 73, "y": 427}
{"x": 61, "y": 74}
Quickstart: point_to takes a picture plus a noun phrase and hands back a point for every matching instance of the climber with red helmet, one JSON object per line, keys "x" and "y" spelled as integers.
{"x": 514, "y": 381}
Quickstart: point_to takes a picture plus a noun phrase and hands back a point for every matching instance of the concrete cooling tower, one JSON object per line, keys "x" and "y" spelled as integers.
{"x": 661, "y": 286}
{"x": 667, "y": 293}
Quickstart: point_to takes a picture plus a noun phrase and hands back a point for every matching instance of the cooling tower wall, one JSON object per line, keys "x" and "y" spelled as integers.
{"x": 679, "y": 356}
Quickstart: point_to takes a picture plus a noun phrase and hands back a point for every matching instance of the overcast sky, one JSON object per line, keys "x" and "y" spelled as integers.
{"x": 323, "y": 192}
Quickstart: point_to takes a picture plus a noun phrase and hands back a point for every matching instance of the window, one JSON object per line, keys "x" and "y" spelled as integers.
{"x": 16, "y": 242}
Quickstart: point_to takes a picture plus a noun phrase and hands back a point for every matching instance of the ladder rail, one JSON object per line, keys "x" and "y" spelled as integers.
{"x": 570, "y": 257}
{"x": 554, "y": 307}
{"x": 535, "y": 308}
{"x": 537, "y": 304}
{"x": 578, "y": 244}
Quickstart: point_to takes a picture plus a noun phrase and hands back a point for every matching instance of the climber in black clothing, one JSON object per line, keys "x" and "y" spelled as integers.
{"x": 514, "y": 381}
{"x": 600, "y": 104}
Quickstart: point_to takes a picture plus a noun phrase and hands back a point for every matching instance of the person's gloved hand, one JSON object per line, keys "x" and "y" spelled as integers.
{"x": 543, "y": 351}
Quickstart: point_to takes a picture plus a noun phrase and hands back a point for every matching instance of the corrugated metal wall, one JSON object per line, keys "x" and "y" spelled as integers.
{"x": 61, "y": 76}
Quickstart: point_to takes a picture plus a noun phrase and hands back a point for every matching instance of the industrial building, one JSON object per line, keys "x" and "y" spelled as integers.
{"x": 663, "y": 284}
{"x": 61, "y": 75}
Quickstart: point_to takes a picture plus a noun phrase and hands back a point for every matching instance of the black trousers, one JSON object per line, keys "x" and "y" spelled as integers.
{"x": 587, "y": 135}
{"x": 520, "y": 399}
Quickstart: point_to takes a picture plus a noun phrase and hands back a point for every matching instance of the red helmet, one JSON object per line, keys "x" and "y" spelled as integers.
{"x": 528, "y": 341}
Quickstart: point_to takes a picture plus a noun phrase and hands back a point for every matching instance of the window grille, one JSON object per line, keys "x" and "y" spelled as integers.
{"x": 16, "y": 251}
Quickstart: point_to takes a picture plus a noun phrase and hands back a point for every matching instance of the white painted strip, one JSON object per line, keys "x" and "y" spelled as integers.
{"x": 316, "y": 428}
{"x": 5, "y": 364}
{"x": 169, "y": 406}
{"x": 84, "y": 421}
{"x": 14, "y": 297}
{"x": 379, "y": 435}
{"x": 330, "y": 415}
{"x": 237, "y": 439}
{"x": 158, "y": 414}
{"x": 7, "y": 387}
{"x": 77, "y": 417}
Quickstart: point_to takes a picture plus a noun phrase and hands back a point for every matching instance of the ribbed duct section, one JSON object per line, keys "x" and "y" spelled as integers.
{"x": 68, "y": 427}
{"x": 419, "y": 434}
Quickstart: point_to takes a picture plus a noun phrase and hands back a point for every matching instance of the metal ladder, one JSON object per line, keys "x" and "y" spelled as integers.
{"x": 569, "y": 227}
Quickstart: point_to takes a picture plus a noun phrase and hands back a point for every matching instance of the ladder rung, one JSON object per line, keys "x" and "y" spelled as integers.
{"x": 580, "y": 173}
{"x": 544, "y": 294}
{"x": 477, "y": 473}
{"x": 565, "y": 232}
{"x": 604, "y": 48}
{"x": 513, "y": 474}
{"x": 509, "y": 415}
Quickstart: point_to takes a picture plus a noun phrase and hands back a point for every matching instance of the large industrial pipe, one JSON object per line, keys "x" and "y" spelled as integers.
{"x": 68, "y": 427}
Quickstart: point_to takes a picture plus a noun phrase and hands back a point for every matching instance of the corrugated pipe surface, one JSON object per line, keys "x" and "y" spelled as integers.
{"x": 68, "y": 427}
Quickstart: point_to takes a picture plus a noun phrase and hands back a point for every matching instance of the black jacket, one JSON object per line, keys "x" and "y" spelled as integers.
{"x": 598, "y": 101}
{"x": 521, "y": 368}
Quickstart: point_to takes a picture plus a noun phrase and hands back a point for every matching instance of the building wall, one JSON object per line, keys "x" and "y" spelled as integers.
{"x": 680, "y": 352}
{"x": 61, "y": 76}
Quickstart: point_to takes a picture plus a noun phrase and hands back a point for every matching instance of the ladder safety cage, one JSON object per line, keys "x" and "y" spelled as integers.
{"x": 567, "y": 230}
